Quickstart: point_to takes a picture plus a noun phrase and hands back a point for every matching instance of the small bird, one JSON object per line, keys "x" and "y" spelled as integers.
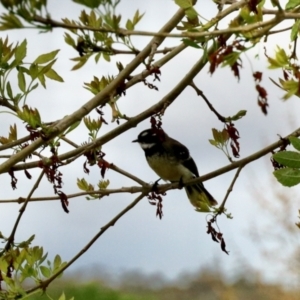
{"x": 171, "y": 160}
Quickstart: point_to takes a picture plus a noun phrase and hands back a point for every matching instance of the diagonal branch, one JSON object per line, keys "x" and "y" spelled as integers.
{"x": 169, "y": 186}
{"x": 132, "y": 122}
{"x": 99, "y": 100}
{"x": 43, "y": 285}
{"x": 222, "y": 206}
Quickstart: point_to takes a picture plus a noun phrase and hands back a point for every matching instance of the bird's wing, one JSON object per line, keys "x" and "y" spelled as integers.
{"x": 191, "y": 165}
{"x": 183, "y": 155}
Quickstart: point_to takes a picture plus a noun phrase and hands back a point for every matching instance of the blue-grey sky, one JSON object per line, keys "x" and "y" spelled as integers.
{"x": 178, "y": 242}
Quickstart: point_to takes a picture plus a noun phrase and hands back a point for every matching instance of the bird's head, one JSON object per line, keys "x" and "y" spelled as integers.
{"x": 150, "y": 137}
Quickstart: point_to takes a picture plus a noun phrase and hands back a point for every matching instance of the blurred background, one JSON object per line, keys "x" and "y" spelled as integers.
{"x": 173, "y": 254}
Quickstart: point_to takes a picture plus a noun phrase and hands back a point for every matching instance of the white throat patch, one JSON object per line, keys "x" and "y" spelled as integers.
{"x": 146, "y": 146}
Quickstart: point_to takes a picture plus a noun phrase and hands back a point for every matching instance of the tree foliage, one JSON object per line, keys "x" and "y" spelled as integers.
{"x": 99, "y": 33}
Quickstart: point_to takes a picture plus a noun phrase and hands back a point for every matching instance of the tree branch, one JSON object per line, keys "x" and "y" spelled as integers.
{"x": 169, "y": 186}
{"x": 99, "y": 100}
{"x": 132, "y": 122}
{"x": 222, "y": 206}
{"x": 11, "y": 238}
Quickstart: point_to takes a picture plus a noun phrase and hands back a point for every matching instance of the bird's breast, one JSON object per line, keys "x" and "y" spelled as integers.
{"x": 168, "y": 168}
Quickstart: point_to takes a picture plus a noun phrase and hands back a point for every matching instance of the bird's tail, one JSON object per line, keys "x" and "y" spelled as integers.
{"x": 200, "y": 197}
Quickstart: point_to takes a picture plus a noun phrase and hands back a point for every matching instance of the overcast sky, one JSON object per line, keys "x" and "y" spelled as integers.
{"x": 178, "y": 242}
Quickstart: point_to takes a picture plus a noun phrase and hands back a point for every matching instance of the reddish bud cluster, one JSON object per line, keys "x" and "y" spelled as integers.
{"x": 216, "y": 236}
{"x": 14, "y": 180}
{"x": 252, "y": 5}
{"x": 93, "y": 157}
{"x": 224, "y": 54}
{"x": 34, "y": 133}
{"x": 150, "y": 85}
{"x": 101, "y": 113}
{"x": 262, "y": 98}
{"x": 234, "y": 136}
{"x": 121, "y": 88}
{"x": 156, "y": 199}
{"x": 55, "y": 177}
{"x": 156, "y": 71}
{"x": 156, "y": 126}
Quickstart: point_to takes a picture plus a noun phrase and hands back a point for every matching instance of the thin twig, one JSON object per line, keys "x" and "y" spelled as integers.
{"x": 201, "y": 94}
{"x": 222, "y": 206}
{"x": 15, "y": 143}
{"x": 188, "y": 34}
{"x": 203, "y": 32}
{"x": 112, "y": 166}
{"x": 152, "y": 53}
{"x": 101, "y": 193}
{"x": 11, "y": 238}
{"x": 127, "y": 174}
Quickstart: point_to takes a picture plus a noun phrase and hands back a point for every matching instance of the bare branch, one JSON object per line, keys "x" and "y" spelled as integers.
{"x": 165, "y": 187}
{"x": 201, "y": 94}
{"x": 222, "y": 206}
{"x": 15, "y": 143}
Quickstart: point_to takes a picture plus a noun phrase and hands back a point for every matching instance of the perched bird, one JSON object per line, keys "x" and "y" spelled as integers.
{"x": 171, "y": 160}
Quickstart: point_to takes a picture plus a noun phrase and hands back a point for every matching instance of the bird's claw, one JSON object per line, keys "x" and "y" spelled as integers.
{"x": 155, "y": 185}
{"x": 180, "y": 183}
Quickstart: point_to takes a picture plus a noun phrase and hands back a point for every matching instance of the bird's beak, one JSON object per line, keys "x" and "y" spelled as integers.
{"x": 135, "y": 141}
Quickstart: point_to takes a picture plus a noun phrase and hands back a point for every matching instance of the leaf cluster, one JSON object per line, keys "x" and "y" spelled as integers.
{"x": 289, "y": 175}
{"x": 24, "y": 262}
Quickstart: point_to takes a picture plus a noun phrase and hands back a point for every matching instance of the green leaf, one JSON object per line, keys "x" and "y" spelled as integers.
{"x": 45, "y": 271}
{"x": 295, "y": 142}
{"x": 81, "y": 61}
{"x": 33, "y": 87}
{"x": 137, "y": 17}
{"x": 129, "y": 25}
{"x": 47, "y": 68}
{"x": 106, "y": 56}
{"x": 184, "y": 3}
{"x": 295, "y": 30}
{"x": 190, "y": 43}
{"x": 21, "y": 81}
{"x": 89, "y": 3}
{"x": 292, "y": 4}
{"x": 221, "y": 137}
{"x": 33, "y": 71}
{"x": 44, "y": 58}
{"x": 57, "y": 262}
{"x": 288, "y": 176}
{"x": 72, "y": 127}
{"x": 192, "y": 14}
{"x": 10, "y": 21}
{"x": 42, "y": 80}
{"x": 21, "y": 52}
{"x": 97, "y": 57}
{"x": 51, "y": 74}
{"x": 237, "y": 116}
{"x": 69, "y": 40}
{"x": 62, "y": 297}
{"x": 9, "y": 90}
{"x": 288, "y": 158}
{"x": 213, "y": 142}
